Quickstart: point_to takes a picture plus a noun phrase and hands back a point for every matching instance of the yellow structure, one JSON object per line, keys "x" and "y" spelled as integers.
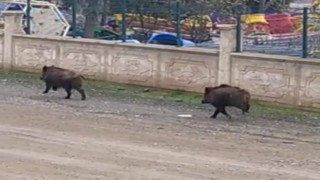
{"x": 254, "y": 18}
{"x": 197, "y": 21}
{"x": 189, "y": 22}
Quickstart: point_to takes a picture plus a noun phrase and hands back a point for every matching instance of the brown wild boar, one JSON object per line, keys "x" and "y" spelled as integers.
{"x": 55, "y": 77}
{"x": 226, "y": 95}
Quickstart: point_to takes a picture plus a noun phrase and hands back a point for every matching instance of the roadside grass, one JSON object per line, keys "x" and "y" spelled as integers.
{"x": 258, "y": 109}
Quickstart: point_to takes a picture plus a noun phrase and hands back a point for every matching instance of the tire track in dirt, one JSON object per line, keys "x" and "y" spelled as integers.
{"x": 132, "y": 152}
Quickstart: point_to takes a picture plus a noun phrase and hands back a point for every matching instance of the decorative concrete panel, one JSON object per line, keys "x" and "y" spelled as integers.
{"x": 190, "y": 72}
{"x": 34, "y": 54}
{"x": 87, "y": 59}
{"x": 265, "y": 80}
{"x": 310, "y": 86}
{"x": 135, "y": 66}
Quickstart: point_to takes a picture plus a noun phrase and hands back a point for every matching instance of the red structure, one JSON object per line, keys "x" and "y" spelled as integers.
{"x": 280, "y": 23}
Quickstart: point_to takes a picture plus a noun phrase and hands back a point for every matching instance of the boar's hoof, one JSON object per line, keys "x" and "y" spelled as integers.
{"x": 213, "y": 116}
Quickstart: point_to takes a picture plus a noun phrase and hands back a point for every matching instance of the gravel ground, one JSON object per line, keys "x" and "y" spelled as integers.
{"x": 123, "y": 136}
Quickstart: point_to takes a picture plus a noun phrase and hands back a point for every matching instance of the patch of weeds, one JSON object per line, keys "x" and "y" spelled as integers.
{"x": 19, "y": 76}
{"x": 259, "y": 109}
{"x": 291, "y": 114}
{"x": 144, "y": 92}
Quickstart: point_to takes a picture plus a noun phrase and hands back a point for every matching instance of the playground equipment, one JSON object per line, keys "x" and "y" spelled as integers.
{"x": 256, "y": 23}
{"x": 46, "y": 19}
{"x": 101, "y": 32}
{"x": 197, "y": 21}
{"x": 277, "y": 23}
{"x": 280, "y": 23}
{"x": 313, "y": 19}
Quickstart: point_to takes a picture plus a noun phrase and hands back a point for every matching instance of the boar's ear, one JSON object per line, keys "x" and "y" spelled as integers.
{"x": 44, "y": 68}
{"x": 206, "y": 90}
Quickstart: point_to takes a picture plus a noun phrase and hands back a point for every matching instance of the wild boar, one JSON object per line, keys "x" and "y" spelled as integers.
{"x": 56, "y": 77}
{"x": 226, "y": 95}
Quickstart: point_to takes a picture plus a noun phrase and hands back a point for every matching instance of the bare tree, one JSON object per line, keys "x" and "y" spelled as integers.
{"x": 105, "y": 11}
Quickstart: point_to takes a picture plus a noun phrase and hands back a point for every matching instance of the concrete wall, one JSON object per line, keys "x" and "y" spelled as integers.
{"x": 159, "y": 66}
{"x": 1, "y": 50}
{"x": 281, "y": 79}
{"x": 272, "y": 78}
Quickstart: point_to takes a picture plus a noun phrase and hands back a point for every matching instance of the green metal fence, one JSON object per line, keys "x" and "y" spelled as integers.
{"x": 280, "y": 31}
{"x": 189, "y": 21}
{"x": 271, "y": 28}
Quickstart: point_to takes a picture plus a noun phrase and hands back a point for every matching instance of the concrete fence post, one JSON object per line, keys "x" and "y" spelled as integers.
{"x": 12, "y": 25}
{"x": 228, "y": 43}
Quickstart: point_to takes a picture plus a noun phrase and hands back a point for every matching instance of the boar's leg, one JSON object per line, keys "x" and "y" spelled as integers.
{"x": 68, "y": 90}
{"x": 245, "y": 109}
{"x": 68, "y": 93}
{"x": 81, "y": 91}
{"x": 248, "y": 107}
{"x": 216, "y": 112}
{"x": 55, "y": 88}
{"x": 243, "y": 112}
{"x": 48, "y": 87}
{"x": 223, "y": 111}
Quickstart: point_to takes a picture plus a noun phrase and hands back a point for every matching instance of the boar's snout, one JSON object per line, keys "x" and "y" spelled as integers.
{"x": 42, "y": 76}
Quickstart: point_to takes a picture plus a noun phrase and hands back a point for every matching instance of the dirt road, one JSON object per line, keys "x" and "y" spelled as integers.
{"x": 46, "y": 137}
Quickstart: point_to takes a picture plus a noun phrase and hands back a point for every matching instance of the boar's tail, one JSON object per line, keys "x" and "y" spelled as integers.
{"x": 246, "y": 98}
{"x": 224, "y": 85}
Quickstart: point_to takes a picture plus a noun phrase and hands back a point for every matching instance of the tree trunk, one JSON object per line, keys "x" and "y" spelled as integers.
{"x": 92, "y": 19}
{"x": 105, "y": 11}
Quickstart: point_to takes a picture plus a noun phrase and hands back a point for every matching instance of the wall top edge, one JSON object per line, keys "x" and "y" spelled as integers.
{"x": 271, "y": 57}
{"x": 109, "y": 43}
